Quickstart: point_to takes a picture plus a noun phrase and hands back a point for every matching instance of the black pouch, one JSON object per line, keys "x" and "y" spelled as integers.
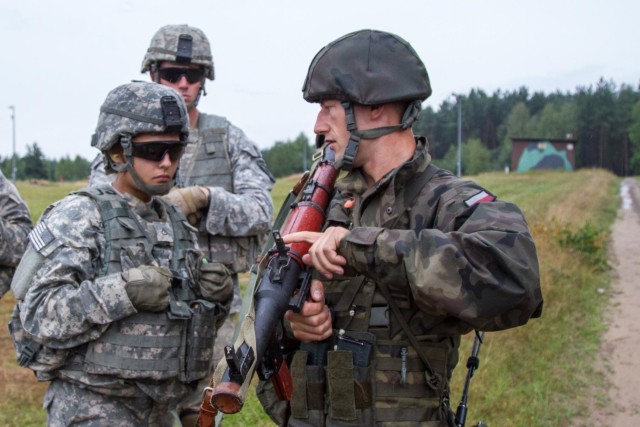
{"x": 199, "y": 339}
{"x": 360, "y": 344}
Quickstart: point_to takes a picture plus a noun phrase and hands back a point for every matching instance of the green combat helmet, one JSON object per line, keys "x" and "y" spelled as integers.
{"x": 368, "y": 67}
{"x": 135, "y": 108}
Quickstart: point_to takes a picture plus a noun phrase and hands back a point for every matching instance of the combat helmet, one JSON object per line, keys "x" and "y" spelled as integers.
{"x": 136, "y": 108}
{"x": 368, "y": 67}
{"x": 182, "y": 44}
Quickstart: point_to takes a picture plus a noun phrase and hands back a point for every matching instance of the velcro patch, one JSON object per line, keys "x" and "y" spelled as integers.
{"x": 40, "y": 236}
{"x": 480, "y": 197}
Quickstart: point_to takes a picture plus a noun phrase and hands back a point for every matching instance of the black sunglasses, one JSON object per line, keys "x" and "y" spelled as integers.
{"x": 156, "y": 150}
{"x": 174, "y": 74}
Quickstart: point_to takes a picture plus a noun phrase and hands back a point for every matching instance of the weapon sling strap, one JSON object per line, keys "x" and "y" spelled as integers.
{"x": 207, "y": 411}
{"x": 433, "y": 379}
{"x": 410, "y": 194}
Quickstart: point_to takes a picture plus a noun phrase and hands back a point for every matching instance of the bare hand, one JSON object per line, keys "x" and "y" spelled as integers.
{"x": 323, "y": 254}
{"x": 313, "y": 323}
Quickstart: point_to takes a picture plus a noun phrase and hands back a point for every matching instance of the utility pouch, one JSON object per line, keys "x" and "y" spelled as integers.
{"x": 309, "y": 380}
{"x": 341, "y": 385}
{"x": 298, "y": 369}
{"x": 199, "y": 338}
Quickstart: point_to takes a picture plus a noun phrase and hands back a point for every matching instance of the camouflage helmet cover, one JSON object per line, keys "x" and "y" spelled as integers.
{"x": 367, "y": 67}
{"x": 166, "y": 46}
{"x": 140, "y": 107}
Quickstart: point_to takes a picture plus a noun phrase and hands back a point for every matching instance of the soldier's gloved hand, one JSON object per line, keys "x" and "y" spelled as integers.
{"x": 148, "y": 287}
{"x": 216, "y": 284}
{"x": 195, "y": 217}
{"x": 189, "y": 200}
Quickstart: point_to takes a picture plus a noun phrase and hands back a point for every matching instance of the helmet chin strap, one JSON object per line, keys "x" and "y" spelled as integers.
{"x": 201, "y": 92}
{"x": 127, "y": 166}
{"x": 409, "y": 117}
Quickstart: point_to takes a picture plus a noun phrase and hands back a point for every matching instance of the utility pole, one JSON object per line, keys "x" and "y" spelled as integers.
{"x": 459, "y": 136}
{"x": 13, "y": 119}
{"x": 304, "y": 154}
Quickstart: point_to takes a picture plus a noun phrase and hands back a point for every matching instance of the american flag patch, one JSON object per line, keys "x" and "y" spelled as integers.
{"x": 40, "y": 236}
{"x": 481, "y": 197}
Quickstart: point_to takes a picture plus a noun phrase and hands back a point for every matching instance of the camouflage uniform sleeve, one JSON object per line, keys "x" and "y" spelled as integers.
{"x": 248, "y": 211}
{"x": 67, "y": 304}
{"x": 477, "y": 264}
{"x": 97, "y": 174}
{"x": 15, "y": 224}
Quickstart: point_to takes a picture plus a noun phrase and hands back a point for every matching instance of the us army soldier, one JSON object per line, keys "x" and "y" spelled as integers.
{"x": 117, "y": 307}
{"x": 15, "y": 225}
{"x": 223, "y": 184}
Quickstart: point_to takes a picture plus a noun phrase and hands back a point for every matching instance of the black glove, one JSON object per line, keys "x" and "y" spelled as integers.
{"x": 215, "y": 282}
{"x": 148, "y": 287}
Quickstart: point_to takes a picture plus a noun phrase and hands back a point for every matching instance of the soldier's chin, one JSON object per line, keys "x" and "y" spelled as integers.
{"x": 158, "y": 189}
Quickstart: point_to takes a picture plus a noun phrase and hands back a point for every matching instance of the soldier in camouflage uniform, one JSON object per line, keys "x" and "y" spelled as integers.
{"x": 224, "y": 184}
{"x": 15, "y": 225}
{"x": 410, "y": 259}
{"x": 117, "y": 307}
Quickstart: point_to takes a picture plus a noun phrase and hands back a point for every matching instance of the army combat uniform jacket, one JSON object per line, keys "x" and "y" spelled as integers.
{"x": 451, "y": 256}
{"x": 79, "y": 313}
{"x": 15, "y": 225}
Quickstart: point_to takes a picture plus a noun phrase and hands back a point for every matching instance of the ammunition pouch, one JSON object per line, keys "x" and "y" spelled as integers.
{"x": 350, "y": 383}
{"x": 341, "y": 380}
{"x": 201, "y": 332}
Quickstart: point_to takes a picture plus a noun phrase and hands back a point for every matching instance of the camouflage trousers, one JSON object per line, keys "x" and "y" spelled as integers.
{"x": 68, "y": 404}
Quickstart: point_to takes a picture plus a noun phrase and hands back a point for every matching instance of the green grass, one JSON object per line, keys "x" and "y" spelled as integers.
{"x": 542, "y": 374}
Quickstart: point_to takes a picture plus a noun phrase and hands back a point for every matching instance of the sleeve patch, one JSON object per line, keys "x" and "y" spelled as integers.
{"x": 40, "y": 236}
{"x": 480, "y": 197}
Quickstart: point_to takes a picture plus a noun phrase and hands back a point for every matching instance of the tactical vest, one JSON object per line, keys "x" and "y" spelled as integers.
{"x": 211, "y": 167}
{"x": 146, "y": 345}
{"x": 365, "y": 374}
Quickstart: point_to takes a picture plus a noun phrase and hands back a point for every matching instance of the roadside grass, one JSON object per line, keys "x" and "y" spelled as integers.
{"x": 542, "y": 374}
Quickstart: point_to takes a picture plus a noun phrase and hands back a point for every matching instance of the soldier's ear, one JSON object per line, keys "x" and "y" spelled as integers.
{"x": 116, "y": 156}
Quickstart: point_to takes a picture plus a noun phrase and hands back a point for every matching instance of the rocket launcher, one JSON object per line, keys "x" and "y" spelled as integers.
{"x": 281, "y": 282}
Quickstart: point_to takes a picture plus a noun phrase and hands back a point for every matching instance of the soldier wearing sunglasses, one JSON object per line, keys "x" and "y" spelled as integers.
{"x": 117, "y": 306}
{"x": 223, "y": 184}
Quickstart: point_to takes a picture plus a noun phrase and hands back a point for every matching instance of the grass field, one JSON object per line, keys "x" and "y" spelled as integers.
{"x": 542, "y": 374}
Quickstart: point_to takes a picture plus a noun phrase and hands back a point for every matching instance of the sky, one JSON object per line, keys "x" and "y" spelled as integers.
{"x": 61, "y": 58}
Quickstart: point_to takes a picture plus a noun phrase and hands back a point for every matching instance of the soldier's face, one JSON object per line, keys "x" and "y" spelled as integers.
{"x": 151, "y": 172}
{"x": 188, "y": 89}
{"x": 332, "y": 123}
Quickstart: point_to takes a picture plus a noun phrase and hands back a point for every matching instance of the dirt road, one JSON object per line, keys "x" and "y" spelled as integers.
{"x": 621, "y": 343}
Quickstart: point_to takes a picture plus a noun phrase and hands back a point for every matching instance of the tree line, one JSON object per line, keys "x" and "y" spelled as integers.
{"x": 34, "y": 165}
{"x": 603, "y": 118}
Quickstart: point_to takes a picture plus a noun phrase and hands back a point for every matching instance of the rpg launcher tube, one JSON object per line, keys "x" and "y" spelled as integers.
{"x": 283, "y": 286}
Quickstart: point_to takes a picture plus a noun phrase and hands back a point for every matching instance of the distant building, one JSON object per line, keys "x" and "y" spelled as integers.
{"x": 540, "y": 153}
